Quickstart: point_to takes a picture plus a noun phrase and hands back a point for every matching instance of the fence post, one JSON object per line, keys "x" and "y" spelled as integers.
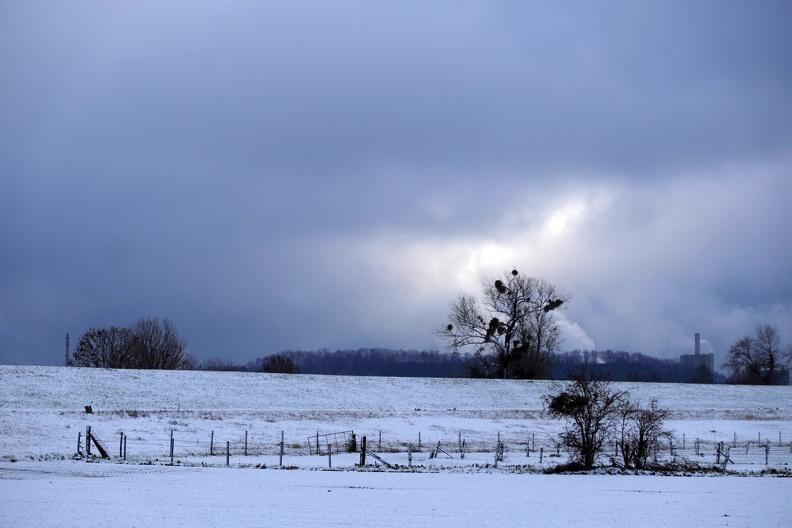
{"x": 228, "y": 452}
{"x": 419, "y": 439}
{"x": 541, "y": 454}
{"x": 211, "y": 444}
{"x": 171, "y": 448}
{"x": 409, "y": 455}
{"x": 329, "y": 455}
{"x": 318, "y": 450}
{"x": 121, "y": 445}
{"x": 246, "y": 435}
{"x": 125, "y": 443}
{"x": 88, "y": 440}
{"x": 767, "y": 454}
{"x": 281, "y": 450}
{"x": 363, "y": 452}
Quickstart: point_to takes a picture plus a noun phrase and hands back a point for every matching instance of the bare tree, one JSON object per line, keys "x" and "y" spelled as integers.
{"x": 157, "y": 345}
{"x": 590, "y": 405}
{"x": 512, "y": 323}
{"x": 103, "y": 348}
{"x": 758, "y": 359}
{"x": 641, "y": 432}
{"x": 148, "y": 344}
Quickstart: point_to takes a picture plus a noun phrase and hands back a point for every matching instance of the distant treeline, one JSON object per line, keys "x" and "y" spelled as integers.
{"x": 618, "y": 365}
{"x": 374, "y": 362}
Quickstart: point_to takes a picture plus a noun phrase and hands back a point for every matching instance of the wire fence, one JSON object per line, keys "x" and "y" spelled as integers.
{"x": 510, "y": 449}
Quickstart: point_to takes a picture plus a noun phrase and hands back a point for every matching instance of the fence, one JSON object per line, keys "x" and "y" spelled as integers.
{"x": 341, "y": 441}
{"x": 508, "y": 450}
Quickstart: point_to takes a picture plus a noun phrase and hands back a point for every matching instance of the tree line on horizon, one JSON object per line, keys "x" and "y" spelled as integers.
{"x": 613, "y": 364}
{"x": 508, "y": 332}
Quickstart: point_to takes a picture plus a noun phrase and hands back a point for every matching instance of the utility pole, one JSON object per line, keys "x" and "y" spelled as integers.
{"x": 67, "y": 349}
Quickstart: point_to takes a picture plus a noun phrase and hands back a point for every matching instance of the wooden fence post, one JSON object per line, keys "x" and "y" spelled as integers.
{"x": 125, "y": 444}
{"x": 246, "y": 436}
{"x": 171, "y": 448}
{"x": 281, "y": 450}
{"x": 211, "y": 444}
{"x": 228, "y": 452}
{"x": 88, "y": 440}
{"x": 409, "y": 455}
{"x": 363, "y": 452}
{"x": 329, "y": 455}
{"x": 541, "y": 454}
{"x": 121, "y": 445}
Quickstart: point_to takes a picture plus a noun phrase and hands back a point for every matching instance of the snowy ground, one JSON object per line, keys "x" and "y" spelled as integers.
{"x": 42, "y": 413}
{"x": 68, "y": 494}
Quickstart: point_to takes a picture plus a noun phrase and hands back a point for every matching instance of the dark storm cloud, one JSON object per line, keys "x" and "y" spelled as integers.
{"x": 307, "y": 174}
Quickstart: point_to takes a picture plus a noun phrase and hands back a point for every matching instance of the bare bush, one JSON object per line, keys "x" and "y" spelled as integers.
{"x": 590, "y": 405}
{"x": 641, "y": 432}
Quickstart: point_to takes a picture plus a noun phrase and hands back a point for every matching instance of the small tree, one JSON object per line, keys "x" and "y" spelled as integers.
{"x": 157, "y": 345}
{"x": 103, "y": 348}
{"x": 758, "y": 359}
{"x": 641, "y": 432}
{"x": 279, "y": 364}
{"x": 512, "y": 323}
{"x": 590, "y": 405}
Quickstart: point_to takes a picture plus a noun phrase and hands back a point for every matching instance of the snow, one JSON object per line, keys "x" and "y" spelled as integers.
{"x": 42, "y": 412}
{"x": 69, "y": 494}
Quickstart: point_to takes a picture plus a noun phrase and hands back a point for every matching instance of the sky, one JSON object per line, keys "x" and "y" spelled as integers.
{"x": 307, "y": 175}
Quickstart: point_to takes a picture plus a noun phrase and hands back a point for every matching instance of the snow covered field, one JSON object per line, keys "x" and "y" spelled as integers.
{"x": 42, "y": 412}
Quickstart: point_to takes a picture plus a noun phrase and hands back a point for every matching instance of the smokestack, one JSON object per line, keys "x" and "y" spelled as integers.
{"x": 698, "y": 343}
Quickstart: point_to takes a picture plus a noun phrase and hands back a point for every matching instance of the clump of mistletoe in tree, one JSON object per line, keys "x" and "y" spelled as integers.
{"x": 510, "y": 330}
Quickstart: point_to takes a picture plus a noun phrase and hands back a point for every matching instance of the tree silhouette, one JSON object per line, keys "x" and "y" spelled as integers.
{"x": 511, "y": 329}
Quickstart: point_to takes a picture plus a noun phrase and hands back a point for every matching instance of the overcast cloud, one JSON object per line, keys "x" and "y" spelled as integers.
{"x": 300, "y": 175}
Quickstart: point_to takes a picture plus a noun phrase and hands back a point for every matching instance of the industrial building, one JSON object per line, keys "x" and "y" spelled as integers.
{"x": 697, "y": 360}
